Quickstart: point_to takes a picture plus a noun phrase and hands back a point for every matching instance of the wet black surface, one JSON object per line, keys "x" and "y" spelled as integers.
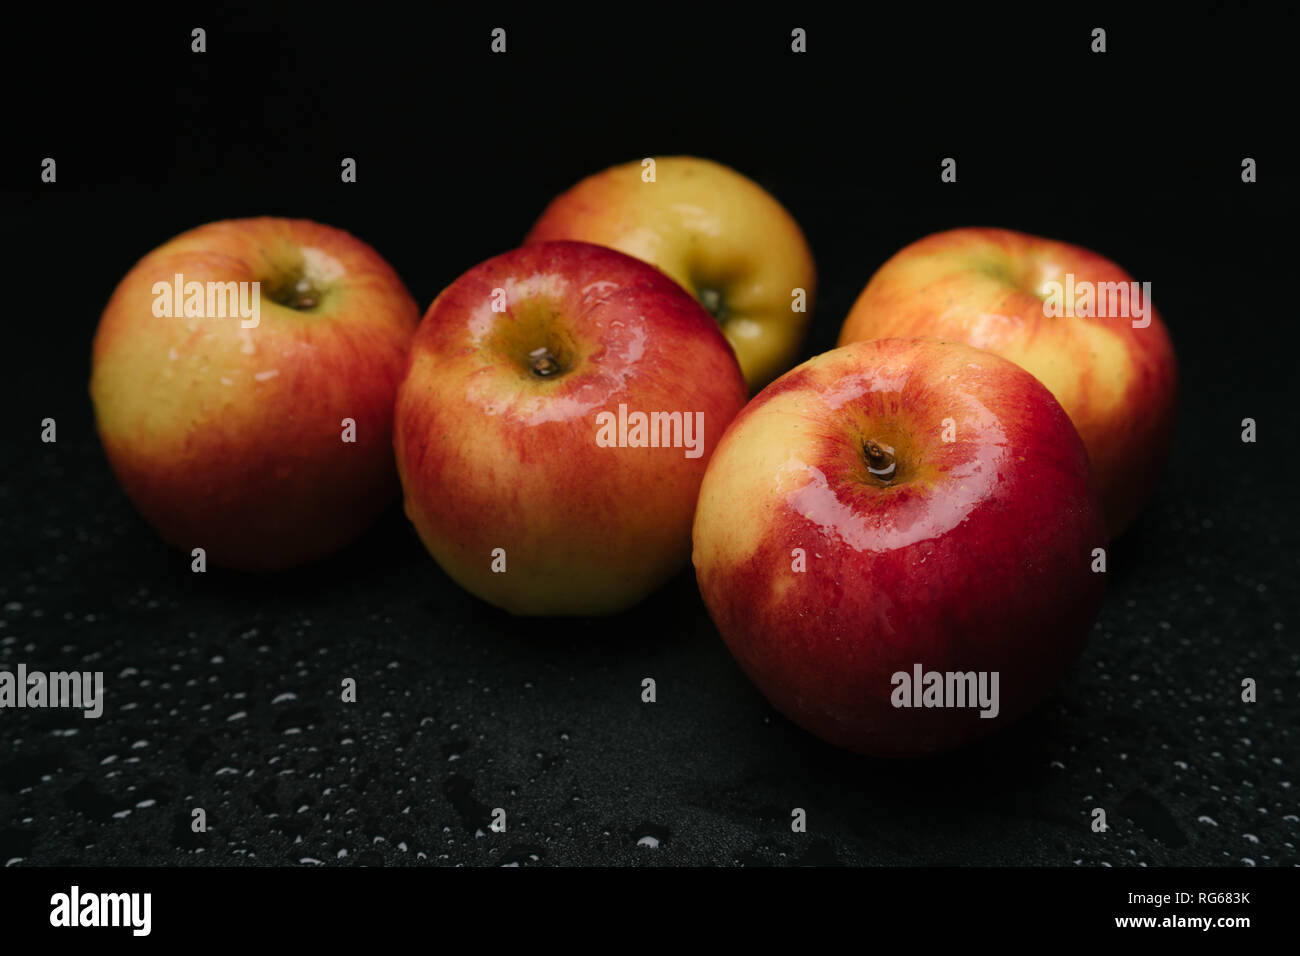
{"x": 223, "y": 692}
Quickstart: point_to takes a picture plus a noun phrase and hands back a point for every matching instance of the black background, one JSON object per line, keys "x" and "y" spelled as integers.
{"x": 1135, "y": 153}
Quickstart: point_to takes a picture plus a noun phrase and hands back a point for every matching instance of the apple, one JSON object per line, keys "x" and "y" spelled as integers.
{"x": 558, "y": 411}
{"x": 1036, "y": 302}
{"x": 224, "y": 368}
{"x": 719, "y": 234}
{"x": 891, "y": 510}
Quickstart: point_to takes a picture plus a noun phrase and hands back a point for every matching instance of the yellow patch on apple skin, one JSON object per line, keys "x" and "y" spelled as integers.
{"x": 781, "y": 585}
{"x": 991, "y": 329}
{"x": 767, "y": 457}
{"x": 760, "y": 473}
{"x": 649, "y": 241}
{"x": 1097, "y": 395}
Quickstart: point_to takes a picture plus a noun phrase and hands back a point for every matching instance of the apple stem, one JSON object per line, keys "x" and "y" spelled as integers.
{"x": 880, "y": 459}
{"x": 711, "y": 299}
{"x": 306, "y": 295}
{"x": 544, "y": 363}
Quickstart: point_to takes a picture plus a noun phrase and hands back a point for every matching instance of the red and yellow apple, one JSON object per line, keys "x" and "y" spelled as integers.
{"x": 895, "y": 505}
{"x": 723, "y": 237}
{"x": 1036, "y": 302}
{"x": 527, "y": 472}
{"x": 221, "y": 404}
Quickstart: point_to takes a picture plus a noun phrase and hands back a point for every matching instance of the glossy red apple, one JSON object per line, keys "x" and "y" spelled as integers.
{"x": 224, "y": 368}
{"x": 528, "y": 472}
{"x": 895, "y": 504}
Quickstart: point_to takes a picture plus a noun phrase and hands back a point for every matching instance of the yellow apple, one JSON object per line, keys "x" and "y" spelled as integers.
{"x": 720, "y": 235}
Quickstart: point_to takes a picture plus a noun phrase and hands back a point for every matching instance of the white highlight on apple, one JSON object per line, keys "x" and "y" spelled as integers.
{"x": 1098, "y": 300}
{"x": 654, "y": 430}
{"x": 210, "y": 300}
{"x": 923, "y": 688}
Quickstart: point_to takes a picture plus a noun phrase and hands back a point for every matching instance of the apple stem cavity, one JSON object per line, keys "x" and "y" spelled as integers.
{"x": 880, "y": 459}
{"x": 711, "y": 299}
{"x": 300, "y": 295}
